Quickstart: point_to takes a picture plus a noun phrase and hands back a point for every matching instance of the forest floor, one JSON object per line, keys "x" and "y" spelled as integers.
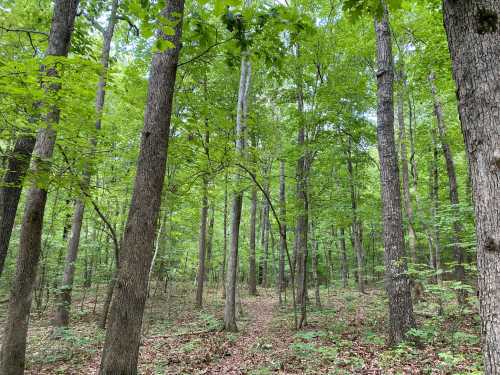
{"x": 343, "y": 336}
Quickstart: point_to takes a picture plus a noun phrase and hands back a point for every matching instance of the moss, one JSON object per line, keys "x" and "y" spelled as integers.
{"x": 487, "y": 21}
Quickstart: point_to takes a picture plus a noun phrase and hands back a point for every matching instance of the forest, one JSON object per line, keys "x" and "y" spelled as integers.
{"x": 249, "y": 187}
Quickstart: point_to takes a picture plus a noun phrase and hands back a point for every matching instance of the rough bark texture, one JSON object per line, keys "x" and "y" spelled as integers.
{"x": 64, "y": 294}
{"x": 14, "y": 338}
{"x": 452, "y": 186}
{"x": 202, "y": 245}
{"x": 412, "y": 237}
{"x": 232, "y": 266}
{"x": 252, "y": 268}
{"x": 396, "y": 279}
{"x": 10, "y": 192}
{"x": 473, "y": 31}
{"x": 121, "y": 347}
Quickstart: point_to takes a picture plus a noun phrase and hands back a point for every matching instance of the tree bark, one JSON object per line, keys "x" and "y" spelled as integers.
{"x": 252, "y": 268}
{"x": 396, "y": 279}
{"x": 412, "y": 237}
{"x": 343, "y": 254}
{"x": 232, "y": 267}
{"x": 14, "y": 338}
{"x": 434, "y": 193}
{"x": 281, "y": 271}
{"x": 64, "y": 294}
{"x": 202, "y": 245}
{"x": 10, "y": 192}
{"x": 224, "y": 246}
{"x": 453, "y": 188}
{"x": 473, "y": 31}
{"x": 121, "y": 346}
{"x": 265, "y": 238}
{"x": 356, "y": 224}
{"x": 315, "y": 261}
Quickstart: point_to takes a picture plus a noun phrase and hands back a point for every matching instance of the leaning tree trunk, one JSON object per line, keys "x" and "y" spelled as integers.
{"x": 123, "y": 333}
{"x": 396, "y": 279}
{"x": 202, "y": 245}
{"x": 10, "y": 192}
{"x": 64, "y": 294}
{"x": 453, "y": 188}
{"x": 473, "y": 31}
{"x": 232, "y": 266}
{"x": 412, "y": 237}
{"x": 16, "y": 327}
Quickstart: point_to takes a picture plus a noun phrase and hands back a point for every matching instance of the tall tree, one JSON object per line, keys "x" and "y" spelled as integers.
{"x": 64, "y": 293}
{"x": 396, "y": 279}
{"x": 473, "y": 31}
{"x": 16, "y": 327}
{"x": 202, "y": 244}
{"x": 121, "y": 346}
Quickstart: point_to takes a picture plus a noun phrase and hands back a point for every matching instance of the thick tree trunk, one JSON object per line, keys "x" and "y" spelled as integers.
{"x": 453, "y": 188}
{"x": 202, "y": 245}
{"x": 356, "y": 224}
{"x": 281, "y": 271}
{"x": 396, "y": 279}
{"x": 412, "y": 237}
{"x": 16, "y": 327}
{"x": 343, "y": 254}
{"x": 232, "y": 267}
{"x": 473, "y": 31}
{"x": 252, "y": 268}
{"x": 64, "y": 294}
{"x": 121, "y": 347}
{"x": 10, "y": 192}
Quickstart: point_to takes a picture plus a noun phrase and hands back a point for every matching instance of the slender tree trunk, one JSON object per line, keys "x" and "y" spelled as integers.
{"x": 343, "y": 254}
{"x": 232, "y": 267}
{"x": 265, "y": 239}
{"x": 10, "y": 192}
{"x": 412, "y": 237}
{"x": 473, "y": 32}
{"x": 281, "y": 272}
{"x": 434, "y": 193}
{"x": 252, "y": 268}
{"x": 202, "y": 245}
{"x": 396, "y": 279}
{"x": 224, "y": 246}
{"x": 210, "y": 237}
{"x": 16, "y": 327}
{"x": 64, "y": 294}
{"x": 315, "y": 261}
{"x": 356, "y": 224}
{"x": 121, "y": 347}
{"x": 453, "y": 188}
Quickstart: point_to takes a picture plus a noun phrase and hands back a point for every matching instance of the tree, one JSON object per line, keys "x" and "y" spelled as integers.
{"x": 121, "y": 346}
{"x": 472, "y": 28}
{"x": 396, "y": 279}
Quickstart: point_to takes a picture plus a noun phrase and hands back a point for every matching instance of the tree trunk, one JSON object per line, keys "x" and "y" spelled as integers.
{"x": 412, "y": 237}
{"x": 210, "y": 237}
{"x": 434, "y": 193}
{"x": 473, "y": 32}
{"x": 64, "y": 294}
{"x": 453, "y": 189}
{"x": 343, "y": 254}
{"x": 224, "y": 246}
{"x": 202, "y": 245}
{"x": 10, "y": 192}
{"x": 315, "y": 261}
{"x": 265, "y": 239}
{"x": 356, "y": 224}
{"x": 232, "y": 267}
{"x": 396, "y": 279}
{"x": 14, "y": 338}
{"x": 252, "y": 268}
{"x": 121, "y": 347}
{"x": 281, "y": 272}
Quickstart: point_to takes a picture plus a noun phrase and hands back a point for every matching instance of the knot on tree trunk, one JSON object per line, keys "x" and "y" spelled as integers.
{"x": 496, "y": 158}
{"x": 492, "y": 244}
{"x": 487, "y": 21}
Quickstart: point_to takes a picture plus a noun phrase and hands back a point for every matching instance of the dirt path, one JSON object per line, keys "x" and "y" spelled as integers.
{"x": 256, "y": 345}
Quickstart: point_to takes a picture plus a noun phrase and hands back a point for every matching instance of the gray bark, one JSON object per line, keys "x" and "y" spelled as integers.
{"x": 281, "y": 271}
{"x": 473, "y": 31}
{"x": 202, "y": 245}
{"x": 396, "y": 279}
{"x": 252, "y": 269}
{"x": 121, "y": 346}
